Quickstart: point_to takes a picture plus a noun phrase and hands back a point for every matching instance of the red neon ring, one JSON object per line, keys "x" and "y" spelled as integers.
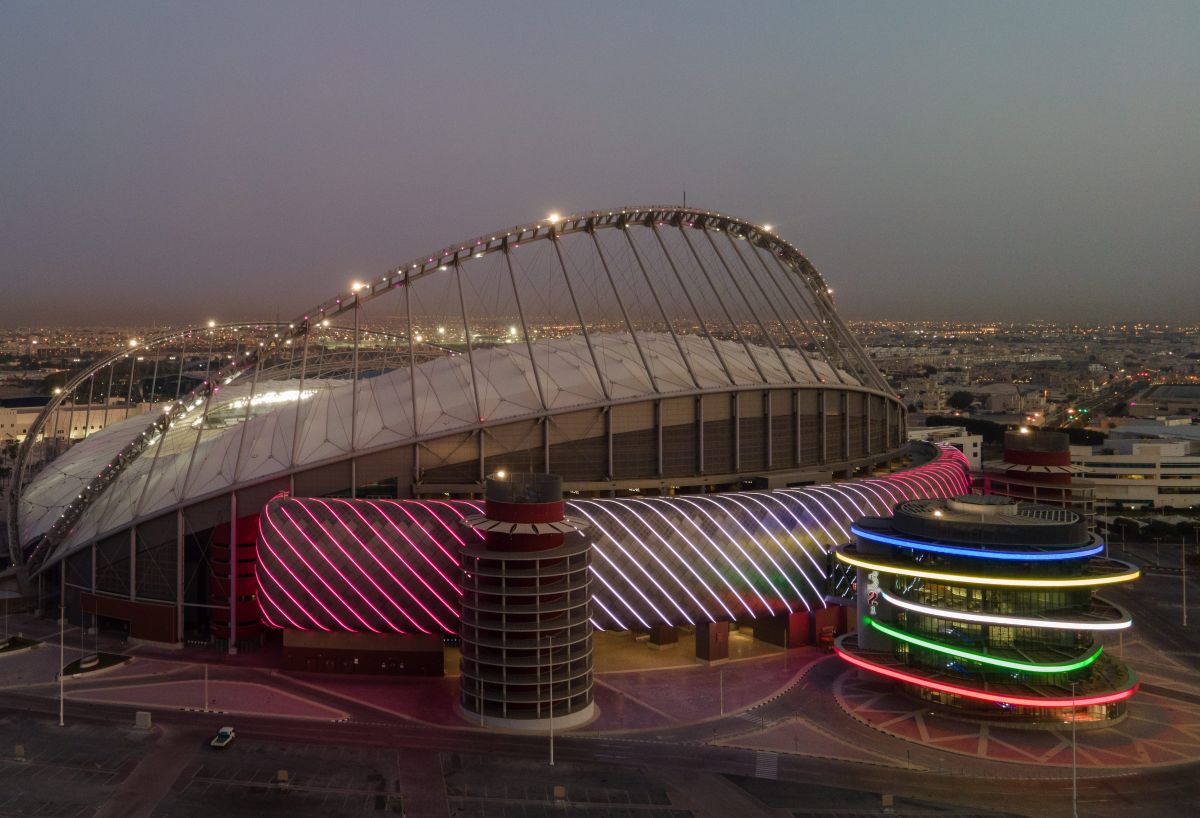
{"x": 987, "y": 697}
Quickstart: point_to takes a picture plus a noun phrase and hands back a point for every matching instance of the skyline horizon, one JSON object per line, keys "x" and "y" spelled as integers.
{"x": 935, "y": 159}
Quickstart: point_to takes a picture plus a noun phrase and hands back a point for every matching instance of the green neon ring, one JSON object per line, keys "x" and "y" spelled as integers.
{"x": 978, "y": 657}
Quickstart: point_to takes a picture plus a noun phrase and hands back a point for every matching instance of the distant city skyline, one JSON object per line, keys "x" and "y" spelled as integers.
{"x": 167, "y": 163}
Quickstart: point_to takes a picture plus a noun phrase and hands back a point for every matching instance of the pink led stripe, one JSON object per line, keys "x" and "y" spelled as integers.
{"x": 424, "y": 530}
{"x": 911, "y": 489}
{"x": 766, "y": 553}
{"x": 300, "y": 582}
{"x": 321, "y": 553}
{"x": 695, "y": 550}
{"x": 935, "y": 475}
{"x": 600, "y": 577}
{"x": 266, "y": 597}
{"x": 415, "y": 548}
{"x": 400, "y": 558}
{"x": 904, "y": 482}
{"x": 453, "y": 506}
{"x": 885, "y": 486}
{"x": 395, "y": 579}
{"x": 870, "y": 499}
{"x": 309, "y": 591}
{"x": 641, "y": 567}
{"x": 346, "y": 553}
{"x": 970, "y": 693}
{"x": 717, "y": 548}
{"x": 880, "y": 502}
{"x": 450, "y": 529}
{"x": 605, "y": 507}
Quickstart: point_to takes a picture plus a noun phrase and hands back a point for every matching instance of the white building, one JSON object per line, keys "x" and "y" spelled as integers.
{"x": 957, "y": 436}
{"x": 1132, "y": 473}
{"x": 77, "y": 422}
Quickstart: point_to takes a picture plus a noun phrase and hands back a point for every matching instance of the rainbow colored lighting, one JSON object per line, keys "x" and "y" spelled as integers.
{"x": 981, "y": 657}
{"x": 969, "y": 579}
{"x": 381, "y": 565}
{"x": 1022, "y": 556}
{"x": 968, "y": 693}
{"x": 994, "y": 619}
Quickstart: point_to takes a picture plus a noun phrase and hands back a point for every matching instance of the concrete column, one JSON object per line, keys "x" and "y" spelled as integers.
{"x": 712, "y": 641}
{"x": 661, "y": 635}
{"x": 785, "y": 630}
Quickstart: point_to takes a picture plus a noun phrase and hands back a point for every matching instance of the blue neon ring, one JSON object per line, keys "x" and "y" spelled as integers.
{"x": 1023, "y": 556}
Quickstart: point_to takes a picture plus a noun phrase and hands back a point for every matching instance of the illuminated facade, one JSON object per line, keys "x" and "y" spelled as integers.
{"x": 985, "y": 605}
{"x": 641, "y": 353}
{"x": 337, "y": 564}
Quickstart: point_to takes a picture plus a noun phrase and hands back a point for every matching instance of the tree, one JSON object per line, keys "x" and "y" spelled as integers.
{"x": 960, "y": 400}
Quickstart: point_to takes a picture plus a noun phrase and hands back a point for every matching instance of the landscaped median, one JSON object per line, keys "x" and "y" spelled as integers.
{"x": 93, "y": 662}
{"x": 16, "y": 644}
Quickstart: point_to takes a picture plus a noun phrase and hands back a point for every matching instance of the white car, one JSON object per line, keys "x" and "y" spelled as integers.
{"x": 223, "y": 737}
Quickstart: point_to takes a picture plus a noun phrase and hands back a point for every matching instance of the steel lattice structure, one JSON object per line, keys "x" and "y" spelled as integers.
{"x": 647, "y": 349}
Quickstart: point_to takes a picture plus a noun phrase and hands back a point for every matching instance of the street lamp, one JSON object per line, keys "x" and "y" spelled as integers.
{"x": 550, "y": 656}
{"x": 62, "y": 635}
{"x": 1074, "y": 767}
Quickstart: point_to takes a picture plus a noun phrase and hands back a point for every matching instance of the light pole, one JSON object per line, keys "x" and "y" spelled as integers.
{"x": 62, "y": 637}
{"x": 721, "y": 687}
{"x": 1074, "y": 768}
{"x": 1157, "y": 551}
{"x": 550, "y": 656}
{"x": 1183, "y": 577}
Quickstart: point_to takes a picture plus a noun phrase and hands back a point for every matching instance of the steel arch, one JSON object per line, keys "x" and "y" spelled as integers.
{"x": 797, "y": 269}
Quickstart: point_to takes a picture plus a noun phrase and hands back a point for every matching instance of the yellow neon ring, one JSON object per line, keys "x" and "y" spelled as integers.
{"x": 1017, "y": 582}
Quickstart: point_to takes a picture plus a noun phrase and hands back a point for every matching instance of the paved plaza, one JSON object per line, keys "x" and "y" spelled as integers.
{"x": 768, "y": 713}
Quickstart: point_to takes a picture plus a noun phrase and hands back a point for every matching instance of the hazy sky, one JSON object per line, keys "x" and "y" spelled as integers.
{"x": 1007, "y": 160}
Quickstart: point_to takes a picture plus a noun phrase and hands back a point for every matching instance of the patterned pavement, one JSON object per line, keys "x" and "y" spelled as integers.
{"x": 1162, "y": 727}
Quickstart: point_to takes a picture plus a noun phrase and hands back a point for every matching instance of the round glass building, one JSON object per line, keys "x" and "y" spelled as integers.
{"x": 985, "y": 605}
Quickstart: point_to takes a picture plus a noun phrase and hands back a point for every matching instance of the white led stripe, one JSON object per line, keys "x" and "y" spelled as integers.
{"x": 993, "y": 619}
{"x": 731, "y": 516}
{"x": 637, "y": 515}
{"x": 757, "y": 500}
{"x": 792, "y": 513}
{"x": 630, "y": 583}
{"x": 608, "y": 510}
{"x": 732, "y": 563}
{"x": 733, "y": 541}
{"x": 600, "y": 577}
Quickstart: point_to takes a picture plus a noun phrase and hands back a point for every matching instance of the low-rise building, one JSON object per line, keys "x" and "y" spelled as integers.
{"x": 1137, "y": 473}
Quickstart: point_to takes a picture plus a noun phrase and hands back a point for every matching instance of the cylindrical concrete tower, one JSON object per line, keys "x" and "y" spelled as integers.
{"x": 1037, "y": 467}
{"x": 526, "y": 609}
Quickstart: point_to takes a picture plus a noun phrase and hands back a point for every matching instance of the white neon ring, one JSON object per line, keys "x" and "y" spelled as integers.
{"x": 992, "y": 619}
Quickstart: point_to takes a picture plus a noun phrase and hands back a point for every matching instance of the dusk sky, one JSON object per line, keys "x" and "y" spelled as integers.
{"x": 176, "y": 162}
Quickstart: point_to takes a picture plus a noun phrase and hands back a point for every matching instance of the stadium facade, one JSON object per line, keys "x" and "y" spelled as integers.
{"x": 714, "y": 425}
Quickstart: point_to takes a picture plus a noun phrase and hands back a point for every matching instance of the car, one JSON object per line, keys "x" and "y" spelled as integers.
{"x": 222, "y": 739}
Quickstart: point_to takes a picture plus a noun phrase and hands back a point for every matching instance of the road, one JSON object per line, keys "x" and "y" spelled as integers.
{"x": 684, "y": 750}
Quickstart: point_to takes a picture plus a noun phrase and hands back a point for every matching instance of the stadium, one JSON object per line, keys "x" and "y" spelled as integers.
{"x": 715, "y": 426}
